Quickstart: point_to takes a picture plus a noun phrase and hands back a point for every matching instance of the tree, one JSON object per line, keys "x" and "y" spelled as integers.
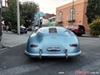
{"x": 93, "y": 9}
{"x": 10, "y": 16}
{"x": 28, "y": 10}
{"x": 95, "y": 26}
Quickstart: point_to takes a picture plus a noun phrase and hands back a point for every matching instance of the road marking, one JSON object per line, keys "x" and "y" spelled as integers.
{"x": 61, "y": 73}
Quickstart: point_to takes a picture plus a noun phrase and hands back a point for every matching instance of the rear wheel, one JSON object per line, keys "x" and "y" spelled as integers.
{"x": 79, "y": 34}
{"x": 26, "y": 32}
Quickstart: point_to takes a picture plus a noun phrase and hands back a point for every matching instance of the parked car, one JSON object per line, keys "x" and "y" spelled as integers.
{"x": 22, "y": 30}
{"x": 77, "y": 29}
{"x": 29, "y": 28}
{"x": 53, "y": 42}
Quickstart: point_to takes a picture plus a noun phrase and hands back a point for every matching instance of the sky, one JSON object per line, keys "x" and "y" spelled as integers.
{"x": 48, "y": 6}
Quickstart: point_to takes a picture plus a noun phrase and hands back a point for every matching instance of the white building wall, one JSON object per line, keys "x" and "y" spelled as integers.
{"x": 45, "y": 21}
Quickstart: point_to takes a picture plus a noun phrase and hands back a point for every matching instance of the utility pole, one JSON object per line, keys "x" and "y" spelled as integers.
{"x": 72, "y": 11}
{"x": 18, "y": 18}
{"x": 0, "y": 18}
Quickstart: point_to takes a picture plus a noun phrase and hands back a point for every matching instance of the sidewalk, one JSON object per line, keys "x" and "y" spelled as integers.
{"x": 10, "y": 39}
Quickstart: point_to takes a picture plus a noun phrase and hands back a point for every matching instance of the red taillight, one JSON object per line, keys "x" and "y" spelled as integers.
{"x": 73, "y": 45}
{"x": 33, "y": 45}
{"x": 75, "y": 29}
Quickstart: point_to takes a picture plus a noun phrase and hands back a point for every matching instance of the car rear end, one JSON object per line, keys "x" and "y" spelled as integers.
{"x": 54, "y": 45}
{"x": 81, "y": 29}
{"x": 23, "y": 30}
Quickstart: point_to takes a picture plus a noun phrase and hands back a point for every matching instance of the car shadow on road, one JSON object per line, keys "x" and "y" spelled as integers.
{"x": 49, "y": 59}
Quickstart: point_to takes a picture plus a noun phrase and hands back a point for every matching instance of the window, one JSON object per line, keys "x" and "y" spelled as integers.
{"x": 52, "y": 30}
{"x": 60, "y": 17}
{"x": 71, "y": 16}
{"x": 50, "y": 20}
{"x": 53, "y": 19}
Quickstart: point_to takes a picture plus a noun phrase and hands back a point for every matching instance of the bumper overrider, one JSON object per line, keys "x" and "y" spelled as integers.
{"x": 40, "y": 55}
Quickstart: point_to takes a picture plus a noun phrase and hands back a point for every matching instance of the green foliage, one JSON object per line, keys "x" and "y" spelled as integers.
{"x": 28, "y": 10}
{"x": 95, "y": 27}
{"x": 10, "y": 16}
{"x": 93, "y": 9}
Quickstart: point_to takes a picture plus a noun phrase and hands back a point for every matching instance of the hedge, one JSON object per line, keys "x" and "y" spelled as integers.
{"x": 95, "y": 27}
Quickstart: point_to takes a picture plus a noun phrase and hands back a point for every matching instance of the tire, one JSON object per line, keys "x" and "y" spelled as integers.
{"x": 21, "y": 32}
{"x": 26, "y": 32}
{"x": 79, "y": 34}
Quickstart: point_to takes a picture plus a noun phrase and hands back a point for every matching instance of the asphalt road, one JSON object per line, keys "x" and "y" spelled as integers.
{"x": 14, "y": 62}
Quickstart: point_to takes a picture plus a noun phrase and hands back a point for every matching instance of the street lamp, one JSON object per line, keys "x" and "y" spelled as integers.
{"x": 18, "y": 18}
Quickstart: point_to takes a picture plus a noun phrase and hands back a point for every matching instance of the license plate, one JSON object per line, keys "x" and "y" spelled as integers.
{"x": 53, "y": 49}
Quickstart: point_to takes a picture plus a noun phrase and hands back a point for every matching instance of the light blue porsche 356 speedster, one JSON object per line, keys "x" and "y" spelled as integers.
{"x": 53, "y": 42}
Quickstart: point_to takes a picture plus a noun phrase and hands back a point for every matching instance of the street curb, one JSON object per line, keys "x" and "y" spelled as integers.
{"x": 2, "y": 48}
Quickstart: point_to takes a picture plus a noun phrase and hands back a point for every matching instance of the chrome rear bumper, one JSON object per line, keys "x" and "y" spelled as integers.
{"x": 40, "y": 55}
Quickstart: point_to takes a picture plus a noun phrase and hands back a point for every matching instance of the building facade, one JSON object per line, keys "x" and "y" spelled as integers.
{"x": 46, "y": 19}
{"x": 41, "y": 17}
{"x": 52, "y": 21}
{"x": 37, "y": 17}
{"x": 73, "y": 13}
